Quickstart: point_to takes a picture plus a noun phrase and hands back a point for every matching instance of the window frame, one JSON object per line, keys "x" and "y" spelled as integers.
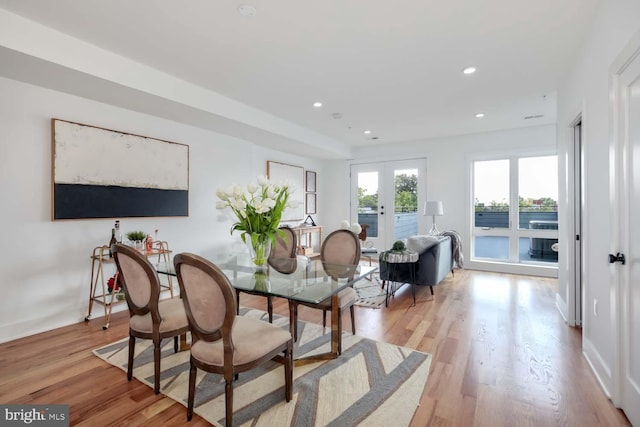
{"x": 513, "y": 232}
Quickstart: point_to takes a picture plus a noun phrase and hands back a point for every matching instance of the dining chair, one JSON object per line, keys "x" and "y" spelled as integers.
{"x": 151, "y": 318}
{"x": 285, "y": 246}
{"x": 340, "y": 251}
{"x": 222, "y": 342}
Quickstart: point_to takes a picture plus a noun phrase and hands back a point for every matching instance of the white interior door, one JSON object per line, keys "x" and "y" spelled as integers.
{"x": 388, "y": 198}
{"x": 628, "y": 301}
{"x": 576, "y": 290}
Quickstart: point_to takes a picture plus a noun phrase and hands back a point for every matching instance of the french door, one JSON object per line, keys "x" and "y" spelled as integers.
{"x": 386, "y": 198}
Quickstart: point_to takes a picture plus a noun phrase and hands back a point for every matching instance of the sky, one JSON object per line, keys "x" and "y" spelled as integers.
{"x": 538, "y": 177}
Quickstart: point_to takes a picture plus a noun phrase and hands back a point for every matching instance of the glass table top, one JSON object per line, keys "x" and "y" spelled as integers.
{"x": 298, "y": 279}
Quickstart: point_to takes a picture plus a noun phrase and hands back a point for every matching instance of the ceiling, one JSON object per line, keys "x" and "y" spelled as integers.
{"x": 391, "y": 67}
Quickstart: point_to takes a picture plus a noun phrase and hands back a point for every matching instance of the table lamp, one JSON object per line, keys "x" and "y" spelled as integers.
{"x": 433, "y": 208}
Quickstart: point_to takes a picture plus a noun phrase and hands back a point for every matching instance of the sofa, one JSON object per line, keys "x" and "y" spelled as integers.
{"x": 435, "y": 261}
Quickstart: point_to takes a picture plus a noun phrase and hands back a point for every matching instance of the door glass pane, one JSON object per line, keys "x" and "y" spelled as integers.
{"x": 537, "y": 249}
{"x": 538, "y": 193}
{"x": 493, "y": 247}
{"x": 405, "y": 203}
{"x": 491, "y": 193}
{"x": 368, "y": 201}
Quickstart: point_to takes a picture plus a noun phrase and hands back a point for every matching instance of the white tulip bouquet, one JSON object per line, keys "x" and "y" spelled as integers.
{"x": 258, "y": 211}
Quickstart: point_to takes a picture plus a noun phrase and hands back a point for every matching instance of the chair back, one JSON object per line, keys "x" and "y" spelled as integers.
{"x": 340, "y": 254}
{"x": 285, "y": 245}
{"x": 341, "y": 247}
{"x": 139, "y": 280}
{"x": 208, "y": 296}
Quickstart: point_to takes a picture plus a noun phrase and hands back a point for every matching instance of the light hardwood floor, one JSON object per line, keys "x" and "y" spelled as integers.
{"x": 502, "y": 356}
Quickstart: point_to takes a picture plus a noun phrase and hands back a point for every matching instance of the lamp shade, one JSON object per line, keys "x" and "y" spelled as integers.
{"x": 433, "y": 208}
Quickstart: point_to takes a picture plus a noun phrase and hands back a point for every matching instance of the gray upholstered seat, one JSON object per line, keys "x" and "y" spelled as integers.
{"x": 340, "y": 248}
{"x": 150, "y": 318}
{"x": 223, "y": 342}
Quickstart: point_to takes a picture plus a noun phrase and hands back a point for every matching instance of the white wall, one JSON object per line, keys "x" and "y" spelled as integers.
{"x": 45, "y": 265}
{"x": 586, "y": 91}
{"x": 447, "y": 169}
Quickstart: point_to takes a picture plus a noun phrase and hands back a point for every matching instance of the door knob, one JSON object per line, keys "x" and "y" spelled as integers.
{"x": 616, "y": 258}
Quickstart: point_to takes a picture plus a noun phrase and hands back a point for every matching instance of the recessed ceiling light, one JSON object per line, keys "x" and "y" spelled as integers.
{"x": 469, "y": 70}
{"x": 479, "y": 115}
{"x": 317, "y": 104}
{"x": 367, "y": 132}
{"x": 246, "y": 10}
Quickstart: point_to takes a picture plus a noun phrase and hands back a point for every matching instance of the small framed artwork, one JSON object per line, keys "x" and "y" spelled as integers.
{"x": 311, "y": 203}
{"x": 311, "y": 181}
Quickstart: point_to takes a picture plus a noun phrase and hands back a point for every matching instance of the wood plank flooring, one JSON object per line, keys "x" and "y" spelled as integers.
{"x": 502, "y": 356}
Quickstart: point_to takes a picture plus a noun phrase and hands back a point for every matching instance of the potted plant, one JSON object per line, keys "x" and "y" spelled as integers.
{"x": 136, "y": 238}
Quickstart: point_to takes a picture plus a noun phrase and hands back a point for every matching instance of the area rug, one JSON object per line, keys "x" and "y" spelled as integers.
{"x": 370, "y": 292}
{"x": 370, "y": 384}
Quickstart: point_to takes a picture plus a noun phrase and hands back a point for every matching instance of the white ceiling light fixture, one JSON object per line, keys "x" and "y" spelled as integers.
{"x": 246, "y": 10}
{"x": 367, "y": 132}
{"x": 479, "y": 115}
{"x": 469, "y": 70}
{"x": 317, "y": 104}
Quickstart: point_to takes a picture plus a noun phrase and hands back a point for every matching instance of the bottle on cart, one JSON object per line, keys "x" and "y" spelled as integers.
{"x": 118, "y": 233}
{"x": 113, "y": 241}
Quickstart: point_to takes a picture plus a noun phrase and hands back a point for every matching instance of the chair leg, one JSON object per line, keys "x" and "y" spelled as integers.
{"x": 192, "y": 390}
{"x": 382, "y": 287}
{"x": 156, "y": 367}
{"x": 132, "y": 347}
{"x": 270, "y": 308}
{"x": 228, "y": 403}
{"x": 339, "y": 323}
{"x": 353, "y": 320}
{"x": 288, "y": 372}
{"x": 293, "y": 320}
{"x": 324, "y": 318}
{"x": 176, "y": 346}
{"x": 431, "y": 287}
{"x": 237, "y": 302}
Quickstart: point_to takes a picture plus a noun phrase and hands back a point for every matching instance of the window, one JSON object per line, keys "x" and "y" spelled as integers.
{"x": 515, "y": 212}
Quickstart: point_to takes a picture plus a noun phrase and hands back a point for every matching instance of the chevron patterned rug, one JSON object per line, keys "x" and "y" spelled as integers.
{"x": 370, "y": 384}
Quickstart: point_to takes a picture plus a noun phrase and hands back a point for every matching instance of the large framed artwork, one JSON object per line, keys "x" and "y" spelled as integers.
{"x": 294, "y": 176}
{"x": 102, "y": 173}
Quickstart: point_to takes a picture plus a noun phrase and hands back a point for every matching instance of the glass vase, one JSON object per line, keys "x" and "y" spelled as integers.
{"x": 259, "y": 249}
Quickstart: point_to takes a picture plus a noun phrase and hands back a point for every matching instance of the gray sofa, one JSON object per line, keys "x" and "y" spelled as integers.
{"x": 435, "y": 261}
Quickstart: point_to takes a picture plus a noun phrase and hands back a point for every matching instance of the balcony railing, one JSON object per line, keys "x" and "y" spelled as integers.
{"x": 529, "y": 248}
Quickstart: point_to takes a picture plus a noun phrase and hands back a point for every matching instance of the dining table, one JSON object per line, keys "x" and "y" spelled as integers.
{"x": 297, "y": 279}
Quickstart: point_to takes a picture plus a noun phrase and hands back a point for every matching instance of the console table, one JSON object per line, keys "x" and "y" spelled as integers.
{"x": 308, "y": 231}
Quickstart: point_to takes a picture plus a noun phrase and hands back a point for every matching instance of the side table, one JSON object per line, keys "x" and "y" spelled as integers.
{"x": 393, "y": 259}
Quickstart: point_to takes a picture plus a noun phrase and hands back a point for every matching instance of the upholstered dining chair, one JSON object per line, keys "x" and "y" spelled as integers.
{"x": 150, "y": 318}
{"x": 222, "y": 342}
{"x": 285, "y": 246}
{"x": 339, "y": 248}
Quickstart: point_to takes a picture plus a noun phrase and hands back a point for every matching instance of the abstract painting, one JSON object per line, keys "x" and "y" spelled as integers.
{"x": 102, "y": 173}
